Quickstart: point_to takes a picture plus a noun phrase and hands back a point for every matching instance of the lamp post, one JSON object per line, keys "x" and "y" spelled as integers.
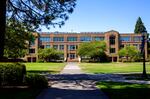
{"x": 144, "y": 75}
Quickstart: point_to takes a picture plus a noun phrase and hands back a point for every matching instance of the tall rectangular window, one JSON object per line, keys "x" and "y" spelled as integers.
{"x": 32, "y": 50}
{"x": 71, "y": 38}
{"x": 45, "y": 39}
{"x": 112, "y": 50}
{"x": 55, "y": 47}
{"x": 85, "y": 38}
{"x": 61, "y": 47}
{"x": 57, "y": 39}
{"x": 125, "y": 38}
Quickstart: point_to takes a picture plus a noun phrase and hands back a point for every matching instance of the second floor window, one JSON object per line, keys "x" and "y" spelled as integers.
{"x": 85, "y": 38}
{"x": 32, "y": 50}
{"x": 45, "y": 39}
{"x": 125, "y": 38}
{"x": 112, "y": 40}
{"x": 58, "y": 39}
{"x": 71, "y": 38}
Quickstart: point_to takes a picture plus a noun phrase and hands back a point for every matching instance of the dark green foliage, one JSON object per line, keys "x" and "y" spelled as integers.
{"x": 139, "y": 27}
{"x": 36, "y": 81}
{"x": 16, "y": 38}
{"x": 94, "y": 50}
{"x": 12, "y": 74}
{"x": 130, "y": 52}
{"x": 49, "y": 54}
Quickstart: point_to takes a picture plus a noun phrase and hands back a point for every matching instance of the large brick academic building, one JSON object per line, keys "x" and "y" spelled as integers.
{"x": 69, "y": 42}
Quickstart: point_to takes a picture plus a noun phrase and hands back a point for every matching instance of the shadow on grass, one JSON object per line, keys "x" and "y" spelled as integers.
{"x": 117, "y": 90}
{"x": 19, "y": 93}
{"x": 42, "y": 71}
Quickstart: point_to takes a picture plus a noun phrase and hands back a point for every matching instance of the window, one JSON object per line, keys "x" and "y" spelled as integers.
{"x": 112, "y": 40}
{"x": 125, "y": 38}
{"x": 71, "y": 38}
{"x": 137, "y": 38}
{"x": 136, "y": 45}
{"x": 58, "y": 38}
{"x": 47, "y": 46}
{"x": 45, "y": 39}
{"x": 32, "y": 50}
{"x": 112, "y": 50}
{"x": 85, "y": 38}
{"x": 61, "y": 47}
{"x": 55, "y": 47}
{"x": 71, "y": 47}
{"x": 98, "y": 38}
{"x": 121, "y": 46}
{"x": 32, "y": 43}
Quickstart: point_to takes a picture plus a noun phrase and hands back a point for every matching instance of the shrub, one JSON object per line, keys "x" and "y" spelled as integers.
{"x": 12, "y": 74}
{"x": 36, "y": 80}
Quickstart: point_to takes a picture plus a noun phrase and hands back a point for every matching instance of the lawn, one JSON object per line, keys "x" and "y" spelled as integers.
{"x": 18, "y": 93}
{"x": 44, "y": 67}
{"x": 116, "y": 90}
{"x": 113, "y": 67}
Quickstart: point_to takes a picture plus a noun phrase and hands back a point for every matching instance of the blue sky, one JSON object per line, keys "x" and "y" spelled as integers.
{"x": 105, "y": 15}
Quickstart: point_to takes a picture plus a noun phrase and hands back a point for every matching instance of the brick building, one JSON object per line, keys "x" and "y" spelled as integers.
{"x": 69, "y": 42}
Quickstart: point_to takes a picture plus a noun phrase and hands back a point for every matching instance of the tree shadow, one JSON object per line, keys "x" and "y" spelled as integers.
{"x": 42, "y": 71}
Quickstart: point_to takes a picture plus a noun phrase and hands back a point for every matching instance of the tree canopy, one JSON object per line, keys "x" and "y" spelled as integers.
{"x": 139, "y": 27}
{"x": 94, "y": 49}
{"x": 130, "y": 52}
{"x": 16, "y": 39}
{"x": 49, "y": 54}
{"x": 34, "y": 13}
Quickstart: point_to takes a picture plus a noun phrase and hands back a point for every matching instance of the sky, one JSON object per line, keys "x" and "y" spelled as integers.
{"x": 106, "y": 15}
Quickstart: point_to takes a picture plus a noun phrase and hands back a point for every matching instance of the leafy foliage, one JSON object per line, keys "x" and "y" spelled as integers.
{"x": 139, "y": 27}
{"x": 130, "y": 52}
{"x": 49, "y": 54}
{"x": 17, "y": 36}
{"x": 36, "y": 80}
{"x": 93, "y": 49}
{"x": 40, "y": 12}
{"x": 12, "y": 74}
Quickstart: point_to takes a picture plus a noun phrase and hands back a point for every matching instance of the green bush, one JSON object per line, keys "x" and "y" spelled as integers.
{"x": 12, "y": 73}
{"x": 36, "y": 80}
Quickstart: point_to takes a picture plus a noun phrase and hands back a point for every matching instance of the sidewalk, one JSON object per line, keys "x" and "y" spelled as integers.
{"x": 72, "y": 89}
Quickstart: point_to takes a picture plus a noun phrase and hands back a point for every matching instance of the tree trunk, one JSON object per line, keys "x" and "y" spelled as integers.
{"x": 2, "y": 26}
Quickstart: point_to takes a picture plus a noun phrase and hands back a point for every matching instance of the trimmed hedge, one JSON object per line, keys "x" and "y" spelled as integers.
{"x": 36, "y": 80}
{"x": 12, "y": 73}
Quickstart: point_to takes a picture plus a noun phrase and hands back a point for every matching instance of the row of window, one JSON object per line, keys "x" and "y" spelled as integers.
{"x": 88, "y": 38}
{"x": 61, "y": 47}
{"x": 83, "y": 38}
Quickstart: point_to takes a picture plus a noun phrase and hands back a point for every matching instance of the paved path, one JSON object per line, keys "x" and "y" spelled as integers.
{"x": 71, "y": 68}
{"x": 71, "y": 84}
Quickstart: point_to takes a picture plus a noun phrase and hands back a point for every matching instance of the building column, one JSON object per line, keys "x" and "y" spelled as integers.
{"x": 112, "y": 59}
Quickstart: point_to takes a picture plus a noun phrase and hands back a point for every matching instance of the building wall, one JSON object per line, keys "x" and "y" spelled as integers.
{"x": 71, "y": 55}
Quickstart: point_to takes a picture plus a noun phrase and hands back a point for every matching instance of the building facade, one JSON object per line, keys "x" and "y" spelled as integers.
{"x": 69, "y": 43}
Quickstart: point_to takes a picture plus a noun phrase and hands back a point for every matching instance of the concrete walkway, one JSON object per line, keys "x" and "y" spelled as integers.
{"x": 71, "y": 68}
{"x": 71, "y": 88}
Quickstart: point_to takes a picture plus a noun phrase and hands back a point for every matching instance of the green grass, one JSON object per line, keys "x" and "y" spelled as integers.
{"x": 44, "y": 67}
{"x": 115, "y": 90}
{"x": 113, "y": 67}
{"x": 19, "y": 93}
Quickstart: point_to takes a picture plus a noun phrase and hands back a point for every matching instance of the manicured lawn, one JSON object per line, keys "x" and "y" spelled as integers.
{"x": 19, "y": 93}
{"x": 44, "y": 67}
{"x": 113, "y": 67}
{"x": 116, "y": 90}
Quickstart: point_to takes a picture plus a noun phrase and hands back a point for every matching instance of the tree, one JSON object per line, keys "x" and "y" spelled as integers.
{"x": 16, "y": 38}
{"x": 93, "y": 49}
{"x": 49, "y": 54}
{"x": 130, "y": 52}
{"x": 139, "y": 27}
{"x": 34, "y": 13}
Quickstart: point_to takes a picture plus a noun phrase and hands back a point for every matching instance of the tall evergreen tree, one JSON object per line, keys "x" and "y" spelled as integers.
{"x": 33, "y": 13}
{"x": 139, "y": 27}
